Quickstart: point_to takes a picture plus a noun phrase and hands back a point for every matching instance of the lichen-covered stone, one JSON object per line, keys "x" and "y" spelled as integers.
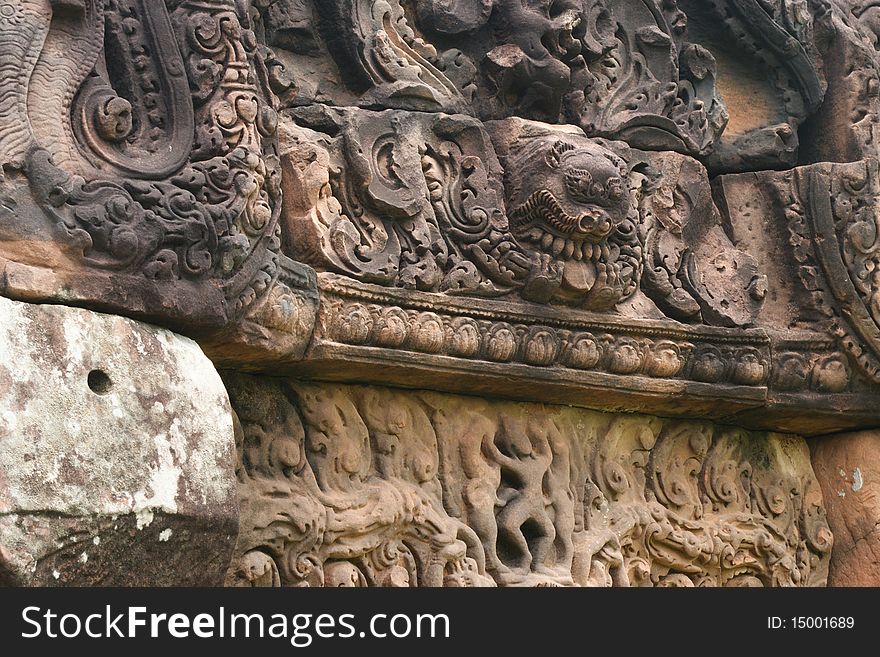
{"x": 116, "y": 453}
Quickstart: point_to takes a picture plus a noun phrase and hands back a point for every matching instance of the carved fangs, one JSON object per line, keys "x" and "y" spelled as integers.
{"x": 543, "y": 210}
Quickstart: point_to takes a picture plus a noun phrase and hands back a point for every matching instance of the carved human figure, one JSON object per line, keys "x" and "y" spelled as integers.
{"x": 598, "y": 557}
{"x": 337, "y": 440}
{"x": 524, "y": 457}
{"x": 470, "y": 481}
{"x": 403, "y": 439}
{"x": 559, "y": 484}
{"x": 530, "y": 495}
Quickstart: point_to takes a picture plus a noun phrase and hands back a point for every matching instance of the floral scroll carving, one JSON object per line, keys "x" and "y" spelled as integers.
{"x": 366, "y": 210}
{"x": 161, "y": 174}
{"x": 359, "y": 486}
{"x": 422, "y": 201}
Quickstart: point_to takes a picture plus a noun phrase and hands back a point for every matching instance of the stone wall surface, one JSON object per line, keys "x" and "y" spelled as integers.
{"x": 117, "y": 453}
{"x": 514, "y": 292}
{"x": 355, "y": 485}
{"x": 846, "y": 466}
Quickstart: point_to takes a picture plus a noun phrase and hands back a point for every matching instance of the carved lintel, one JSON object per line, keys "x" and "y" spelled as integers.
{"x": 277, "y": 328}
{"x": 831, "y": 246}
{"x": 360, "y": 486}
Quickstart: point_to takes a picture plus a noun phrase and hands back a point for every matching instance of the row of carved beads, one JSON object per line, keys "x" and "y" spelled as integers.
{"x": 542, "y": 346}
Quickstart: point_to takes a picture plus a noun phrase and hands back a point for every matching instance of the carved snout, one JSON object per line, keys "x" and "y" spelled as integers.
{"x": 594, "y": 225}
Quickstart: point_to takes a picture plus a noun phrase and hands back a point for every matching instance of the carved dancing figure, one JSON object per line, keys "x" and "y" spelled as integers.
{"x": 523, "y": 506}
{"x": 468, "y": 433}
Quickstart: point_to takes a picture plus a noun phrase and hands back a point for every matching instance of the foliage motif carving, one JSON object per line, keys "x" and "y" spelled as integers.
{"x": 187, "y": 161}
{"x": 162, "y": 169}
{"x": 358, "y": 486}
{"x": 652, "y": 206}
{"x": 421, "y": 201}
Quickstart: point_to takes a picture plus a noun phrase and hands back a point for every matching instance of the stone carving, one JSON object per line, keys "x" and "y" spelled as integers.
{"x": 571, "y": 202}
{"x": 832, "y": 239}
{"x": 617, "y": 70}
{"x": 354, "y": 318}
{"x": 407, "y": 199}
{"x": 139, "y": 152}
{"x": 354, "y": 486}
{"x": 343, "y": 492}
{"x": 381, "y": 57}
{"x": 647, "y": 219}
{"x": 841, "y": 130}
{"x": 662, "y": 207}
{"x": 638, "y": 78}
{"x": 695, "y": 270}
{"x": 418, "y": 201}
{"x": 845, "y": 248}
{"x": 782, "y": 81}
{"x": 621, "y": 70}
{"x": 164, "y": 177}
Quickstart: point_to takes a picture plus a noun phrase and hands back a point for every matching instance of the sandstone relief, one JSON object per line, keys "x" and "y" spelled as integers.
{"x": 140, "y": 168}
{"x": 361, "y": 486}
{"x": 503, "y": 292}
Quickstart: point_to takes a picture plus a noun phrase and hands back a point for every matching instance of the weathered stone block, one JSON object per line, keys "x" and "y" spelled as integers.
{"x": 848, "y": 468}
{"x": 567, "y": 209}
{"x": 116, "y": 453}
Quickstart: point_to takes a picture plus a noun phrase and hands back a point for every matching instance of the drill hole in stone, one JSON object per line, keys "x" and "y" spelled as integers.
{"x": 99, "y": 382}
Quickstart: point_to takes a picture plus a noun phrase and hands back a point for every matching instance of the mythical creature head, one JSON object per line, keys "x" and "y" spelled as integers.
{"x": 568, "y": 198}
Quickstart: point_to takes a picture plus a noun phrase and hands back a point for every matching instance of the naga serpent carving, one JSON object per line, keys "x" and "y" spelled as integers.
{"x": 146, "y": 138}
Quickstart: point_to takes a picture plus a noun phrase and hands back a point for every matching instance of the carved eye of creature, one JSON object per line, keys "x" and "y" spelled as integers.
{"x": 579, "y": 183}
{"x": 614, "y": 188}
{"x": 582, "y": 187}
